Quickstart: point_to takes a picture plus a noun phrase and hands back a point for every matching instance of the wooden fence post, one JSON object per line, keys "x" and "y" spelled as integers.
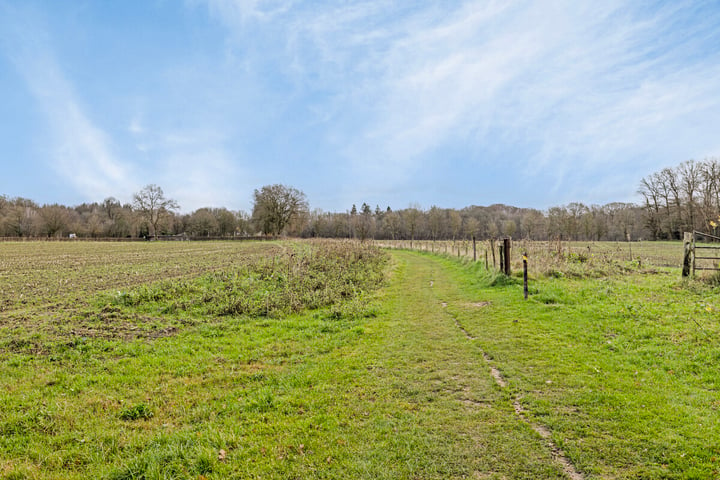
{"x": 474, "y": 250}
{"x": 492, "y": 250}
{"x": 506, "y": 247}
{"x": 688, "y": 253}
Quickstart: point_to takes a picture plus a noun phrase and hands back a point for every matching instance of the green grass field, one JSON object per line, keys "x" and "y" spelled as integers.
{"x": 329, "y": 360}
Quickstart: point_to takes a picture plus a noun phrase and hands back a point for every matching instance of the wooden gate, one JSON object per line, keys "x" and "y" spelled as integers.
{"x": 695, "y": 246}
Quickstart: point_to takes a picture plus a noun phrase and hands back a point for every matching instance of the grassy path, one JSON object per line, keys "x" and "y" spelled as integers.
{"x": 459, "y": 422}
{"x": 619, "y": 372}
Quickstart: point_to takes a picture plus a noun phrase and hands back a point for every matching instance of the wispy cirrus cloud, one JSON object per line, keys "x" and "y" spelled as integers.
{"x": 246, "y": 10}
{"x": 577, "y": 83}
{"x": 562, "y": 89}
{"x": 364, "y": 100}
{"x": 80, "y": 151}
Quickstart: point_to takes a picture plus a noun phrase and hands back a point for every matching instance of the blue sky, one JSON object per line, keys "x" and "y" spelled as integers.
{"x": 449, "y": 103}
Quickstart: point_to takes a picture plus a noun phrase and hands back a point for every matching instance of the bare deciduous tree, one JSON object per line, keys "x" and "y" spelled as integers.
{"x": 412, "y": 218}
{"x": 364, "y": 223}
{"x": 455, "y": 224}
{"x": 153, "y": 206}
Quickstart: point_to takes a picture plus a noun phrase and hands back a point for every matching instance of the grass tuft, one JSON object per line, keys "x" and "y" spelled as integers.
{"x": 136, "y": 412}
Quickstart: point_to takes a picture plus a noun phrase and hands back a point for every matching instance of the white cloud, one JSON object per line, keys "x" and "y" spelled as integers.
{"x": 579, "y": 86}
{"x": 379, "y": 92}
{"x": 242, "y": 11}
{"x": 80, "y": 152}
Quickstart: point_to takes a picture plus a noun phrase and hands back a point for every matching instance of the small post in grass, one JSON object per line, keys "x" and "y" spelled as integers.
{"x": 474, "y": 250}
{"x": 506, "y": 256}
{"x": 525, "y": 278}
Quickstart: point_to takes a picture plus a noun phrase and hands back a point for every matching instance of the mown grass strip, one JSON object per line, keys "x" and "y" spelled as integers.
{"x": 621, "y": 370}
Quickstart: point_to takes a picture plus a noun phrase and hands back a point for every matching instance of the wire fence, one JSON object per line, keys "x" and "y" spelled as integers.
{"x": 557, "y": 258}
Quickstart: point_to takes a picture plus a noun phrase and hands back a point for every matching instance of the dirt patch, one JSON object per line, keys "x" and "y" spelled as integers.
{"x": 480, "y": 304}
{"x": 46, "y": 333}
{"x": 483, "y": 475}
{"x": 495, "y": 372}
{"x": 476, "y": 403}
{"x": 462, "y": 329}
{"x": 26, "y": 346}
{"x": 124, "y": 330}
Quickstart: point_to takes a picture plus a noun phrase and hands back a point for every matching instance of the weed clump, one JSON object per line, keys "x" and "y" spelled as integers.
{"x": 136, "y": 412}
{"x": 713, "y": 280}
{"x": 307, "y": 276}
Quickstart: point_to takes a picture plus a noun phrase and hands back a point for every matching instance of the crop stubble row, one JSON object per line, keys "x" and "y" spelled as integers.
{"x": 37, "y": 276}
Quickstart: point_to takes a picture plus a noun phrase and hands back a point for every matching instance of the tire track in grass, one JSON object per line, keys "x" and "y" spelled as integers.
{"x": 501, "y": 445}
{"x": 556, "y": 452}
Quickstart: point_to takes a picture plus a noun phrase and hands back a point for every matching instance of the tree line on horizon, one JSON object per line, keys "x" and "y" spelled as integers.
{"x": 675, "y": 200}
{"x": 682, "y": 199}
{"x": 20, "y": 217}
